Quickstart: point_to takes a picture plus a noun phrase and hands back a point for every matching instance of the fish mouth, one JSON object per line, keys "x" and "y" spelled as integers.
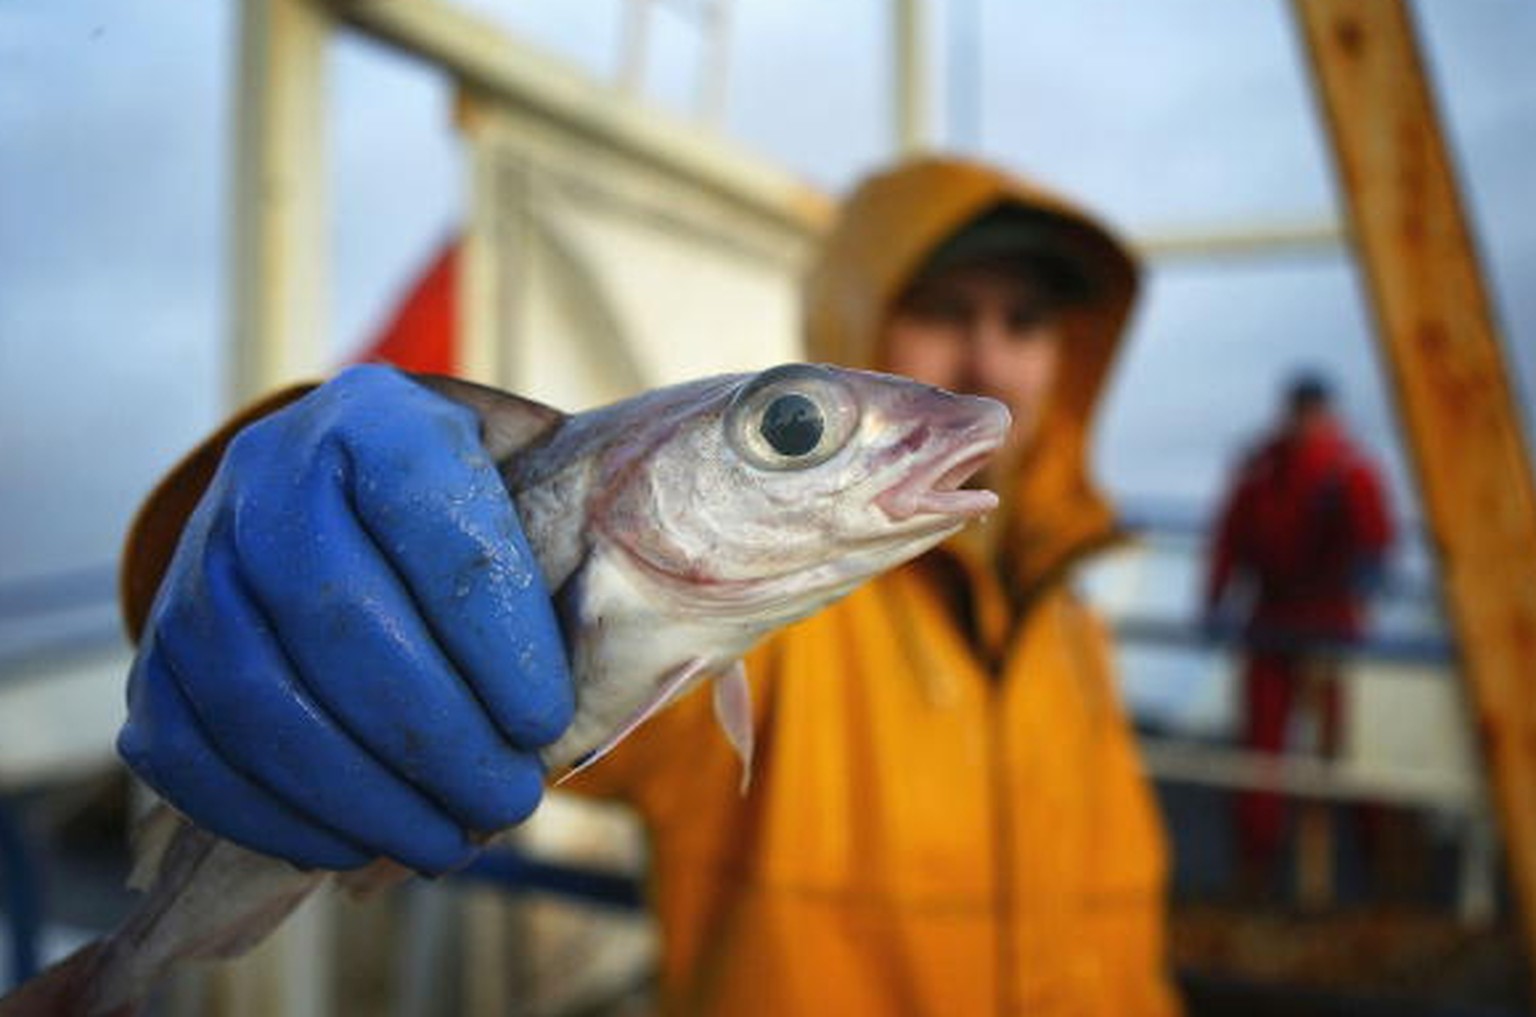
{"x": 937, "y": 491}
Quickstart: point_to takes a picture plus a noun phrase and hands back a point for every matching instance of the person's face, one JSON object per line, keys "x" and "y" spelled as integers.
{"x": 982, "y": 329}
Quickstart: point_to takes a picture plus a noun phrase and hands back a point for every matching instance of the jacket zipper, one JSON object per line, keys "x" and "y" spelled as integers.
{"x": 994, "y": 669}
{"x": 1003, "y": 847}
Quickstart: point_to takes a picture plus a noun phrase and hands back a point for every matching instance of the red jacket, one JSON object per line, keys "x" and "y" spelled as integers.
{"x": 1305, "y": 521}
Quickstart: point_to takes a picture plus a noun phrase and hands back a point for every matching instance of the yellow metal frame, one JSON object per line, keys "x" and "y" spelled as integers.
{"x": 1437, "y": 338}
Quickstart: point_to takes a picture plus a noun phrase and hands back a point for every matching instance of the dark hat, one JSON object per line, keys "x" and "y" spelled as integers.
{"x": 1038, "y": 242}
{"x": 1308, "y": 388}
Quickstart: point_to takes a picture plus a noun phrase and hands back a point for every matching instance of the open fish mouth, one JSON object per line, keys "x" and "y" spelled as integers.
{"x": 938, "y": 491}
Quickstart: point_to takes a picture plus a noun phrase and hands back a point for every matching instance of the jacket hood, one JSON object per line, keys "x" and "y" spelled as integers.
{"x": 886, "y": 232}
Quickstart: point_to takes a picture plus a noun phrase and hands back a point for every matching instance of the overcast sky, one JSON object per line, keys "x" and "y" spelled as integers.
{"x": 1174, "y": 115}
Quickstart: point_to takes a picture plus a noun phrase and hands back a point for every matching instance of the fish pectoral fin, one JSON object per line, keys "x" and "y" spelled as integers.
{"x": 733, "y": 710}
{"x": 668, "y": 689}
{"x": 508, "y": 423}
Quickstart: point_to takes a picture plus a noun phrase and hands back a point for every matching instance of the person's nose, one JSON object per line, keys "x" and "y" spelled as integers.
{"x": 987, "y": 343}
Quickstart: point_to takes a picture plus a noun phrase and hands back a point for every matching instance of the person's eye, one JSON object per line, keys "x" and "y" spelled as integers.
{"x": 1027, "y": 318}
{"x": 935, "y": 306}
{"x": 944, "y": 312}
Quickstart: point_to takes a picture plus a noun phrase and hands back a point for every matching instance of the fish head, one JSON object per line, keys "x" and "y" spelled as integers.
{"x": 783, "y": 490}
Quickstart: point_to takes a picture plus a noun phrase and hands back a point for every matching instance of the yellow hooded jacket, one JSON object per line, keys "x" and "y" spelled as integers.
{"x": 937, "y": 824}
{"x": 946, "y": 814}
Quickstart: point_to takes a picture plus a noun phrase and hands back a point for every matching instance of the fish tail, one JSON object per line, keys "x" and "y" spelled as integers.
{"x": 207, "y": 898}
{"x": 63, "y": 990}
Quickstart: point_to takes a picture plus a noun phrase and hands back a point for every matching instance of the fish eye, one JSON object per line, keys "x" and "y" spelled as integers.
{"x": 792, "y": 424}
{"x": 791, "y": 417}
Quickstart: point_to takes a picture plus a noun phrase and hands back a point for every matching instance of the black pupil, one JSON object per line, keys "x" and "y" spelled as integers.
{"x": 792, "y": 425}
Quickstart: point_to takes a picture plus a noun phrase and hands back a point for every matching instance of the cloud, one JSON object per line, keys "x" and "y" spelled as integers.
{"x": 110, "y": 264}
{"x": 1185, "y": 113}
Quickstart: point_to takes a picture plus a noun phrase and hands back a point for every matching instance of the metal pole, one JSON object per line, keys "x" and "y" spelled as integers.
{"x": 914, "y": 130}
{"x": 482, "y": 354}
{"x": 279, "y": 262}
{"x": 484, "y": 58}
{"x": 1245, "y": 240}
{"x": 279, "y": 257}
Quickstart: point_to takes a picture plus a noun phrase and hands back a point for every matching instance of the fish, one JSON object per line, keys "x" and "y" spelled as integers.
{"x": 676, "y": 529}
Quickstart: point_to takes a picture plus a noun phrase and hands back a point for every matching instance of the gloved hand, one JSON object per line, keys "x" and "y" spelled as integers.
{"x": 352, "y": 653}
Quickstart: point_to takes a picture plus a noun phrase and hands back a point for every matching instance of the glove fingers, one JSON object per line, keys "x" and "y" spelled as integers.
{"x": 267, "y": 726}
{"x": 358, "y": 645}
{"x": 447, "y": 526}
{"x": 164, "y": 745}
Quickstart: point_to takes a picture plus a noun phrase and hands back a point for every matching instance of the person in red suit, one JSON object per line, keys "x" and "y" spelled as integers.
{"x": 1299, "y": 545}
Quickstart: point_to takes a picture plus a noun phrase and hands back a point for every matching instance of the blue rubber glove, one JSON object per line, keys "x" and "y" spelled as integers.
{"x": 352, "y": 653}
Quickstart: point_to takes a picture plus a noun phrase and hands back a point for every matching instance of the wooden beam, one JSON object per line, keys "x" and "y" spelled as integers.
{"x": 1437, "y": 338}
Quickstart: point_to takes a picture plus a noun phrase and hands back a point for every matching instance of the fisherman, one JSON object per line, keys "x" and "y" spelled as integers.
{"x": 946, "y": 814}
{"x": 1299, "y": 546}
